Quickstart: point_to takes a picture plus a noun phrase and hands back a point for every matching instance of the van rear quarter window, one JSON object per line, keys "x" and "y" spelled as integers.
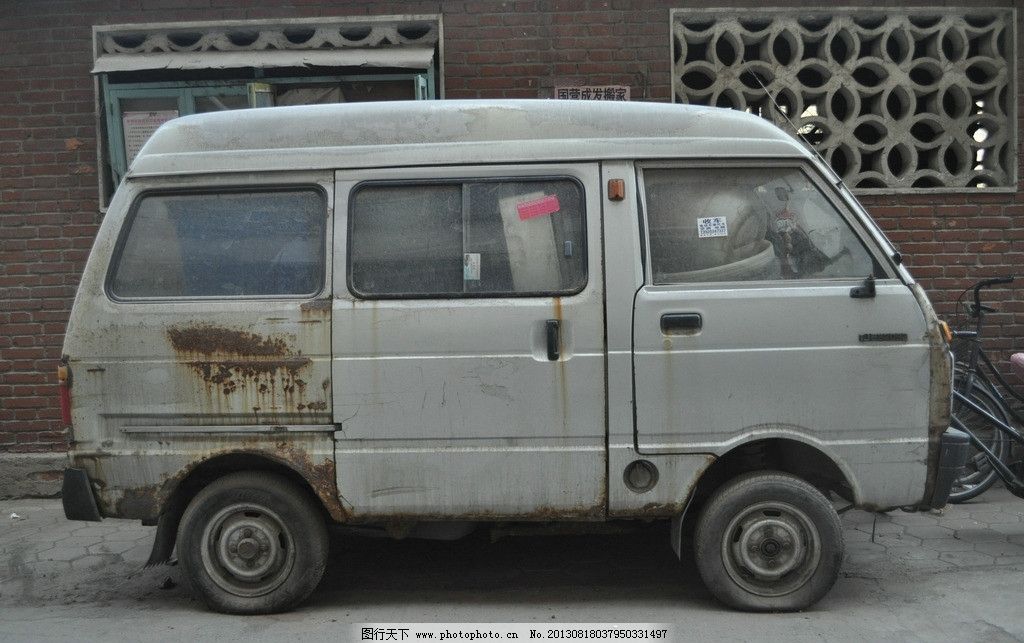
{"x": 223, "y": 244}
{"x": 467, "y": 238}
{"x": 739, "y": 224}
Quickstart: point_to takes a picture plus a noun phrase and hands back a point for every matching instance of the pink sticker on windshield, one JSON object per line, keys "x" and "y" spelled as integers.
{"x": 538, "y": 207}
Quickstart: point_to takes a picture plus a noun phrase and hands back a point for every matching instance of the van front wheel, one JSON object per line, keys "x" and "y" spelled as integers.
{"x": 768, "y": 542}
{"x": 252, "y": 543}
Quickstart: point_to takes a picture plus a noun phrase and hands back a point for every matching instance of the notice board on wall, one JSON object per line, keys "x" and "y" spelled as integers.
{"x": 139, "y": 126}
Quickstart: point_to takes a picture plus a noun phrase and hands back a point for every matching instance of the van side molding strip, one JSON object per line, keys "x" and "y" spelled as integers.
{"x": 221, "y": 429}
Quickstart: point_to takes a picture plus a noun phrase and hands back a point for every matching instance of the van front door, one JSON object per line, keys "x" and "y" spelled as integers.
{"x": 748, "y": 324}
{"x": 468, "y": 360}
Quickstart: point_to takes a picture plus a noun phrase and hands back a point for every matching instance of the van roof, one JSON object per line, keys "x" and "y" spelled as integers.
{"x": 409, "y": 133}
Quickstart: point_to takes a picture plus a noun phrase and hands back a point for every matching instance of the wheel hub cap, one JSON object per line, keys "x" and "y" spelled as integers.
{"x": 247, "y": 551}
{"x": 771, "y": 549}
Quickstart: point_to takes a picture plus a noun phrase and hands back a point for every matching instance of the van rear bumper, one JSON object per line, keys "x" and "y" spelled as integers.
{"x": 77, "y": 497}
{"x": 953, "y": 450}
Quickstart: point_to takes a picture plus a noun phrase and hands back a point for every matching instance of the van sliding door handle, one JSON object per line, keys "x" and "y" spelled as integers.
{"x": 553, "y": 331}
{"x": 681, "y": 323}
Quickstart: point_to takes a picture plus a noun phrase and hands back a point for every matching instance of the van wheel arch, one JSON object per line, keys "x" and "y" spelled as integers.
{"x": 794, "y": 457}
{"x": 202, "y": 475}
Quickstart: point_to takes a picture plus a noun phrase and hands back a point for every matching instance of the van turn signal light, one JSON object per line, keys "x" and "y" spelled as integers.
{"x": 616, "y": 189}
{"x": 64, "y": 388}
{"x": 946, "y": 333}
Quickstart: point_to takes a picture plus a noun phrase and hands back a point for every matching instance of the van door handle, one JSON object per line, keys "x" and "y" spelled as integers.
{"x": 553, "y": 331}
{"x": 681, "y": 323}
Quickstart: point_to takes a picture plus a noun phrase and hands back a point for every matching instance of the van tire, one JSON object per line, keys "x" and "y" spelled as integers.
{"x": 768, "y": 542}
{"x": 252, "y": 543}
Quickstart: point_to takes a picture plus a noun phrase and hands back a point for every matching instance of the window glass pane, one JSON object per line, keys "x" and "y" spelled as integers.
{"x": 747, "y": 224}
{"x": 307, "y": 95}
{"x": 221, "y": 103}
{"x": 473, "y": 238}
{"x": 149, "y": 104}
{"x": 528, "y": 236}
{"x": 406, "y": 239}
{"x": 374, "y": 90}
{"x": 224, "y": 245}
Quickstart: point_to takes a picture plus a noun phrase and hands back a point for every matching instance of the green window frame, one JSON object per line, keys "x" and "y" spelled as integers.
{"x": 186, "y": 93}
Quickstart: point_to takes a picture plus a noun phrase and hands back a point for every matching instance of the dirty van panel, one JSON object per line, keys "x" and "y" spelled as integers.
{"x": 468, "y": 344}
{"x": 139, "y": 476}
{"x": 211, "y": 309}
{"x": 749, "y": 327}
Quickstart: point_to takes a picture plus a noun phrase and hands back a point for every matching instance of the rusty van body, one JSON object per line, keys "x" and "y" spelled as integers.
{"x": 409, "y": 315}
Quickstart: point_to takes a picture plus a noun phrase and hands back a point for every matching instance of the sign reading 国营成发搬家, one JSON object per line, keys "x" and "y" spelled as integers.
{"x": 593, "y": 92}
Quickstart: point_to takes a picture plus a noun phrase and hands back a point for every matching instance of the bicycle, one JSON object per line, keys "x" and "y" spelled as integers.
{"x": 981, "y": 410}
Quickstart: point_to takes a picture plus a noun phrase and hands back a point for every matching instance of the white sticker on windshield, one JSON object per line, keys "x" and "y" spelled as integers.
{"x": 708, "y": 227}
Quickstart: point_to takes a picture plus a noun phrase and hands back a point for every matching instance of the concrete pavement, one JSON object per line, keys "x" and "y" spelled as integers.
{"x": 949, "y": 575}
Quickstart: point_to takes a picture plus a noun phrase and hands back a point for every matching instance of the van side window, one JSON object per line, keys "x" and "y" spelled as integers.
{"x": 725, "y": 224}
{"x": 236, "y": 244}
{"x": 467, "y": 238}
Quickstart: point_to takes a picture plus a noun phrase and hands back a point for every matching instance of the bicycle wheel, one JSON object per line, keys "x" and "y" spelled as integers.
{"x": 977, "y": 475}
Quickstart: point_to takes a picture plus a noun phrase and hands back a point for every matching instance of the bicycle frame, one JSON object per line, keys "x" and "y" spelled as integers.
{"x": 1012, "y": 482}
{"x": 1002, "y": 382}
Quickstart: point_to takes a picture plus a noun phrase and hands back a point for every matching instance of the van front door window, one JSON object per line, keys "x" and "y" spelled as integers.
{"x": 728, "y": 224}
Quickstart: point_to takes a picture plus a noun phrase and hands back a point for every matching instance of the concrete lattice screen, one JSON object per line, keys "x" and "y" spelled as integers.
{"x": 299, "y": 34}
{"x": 909, "y": 100}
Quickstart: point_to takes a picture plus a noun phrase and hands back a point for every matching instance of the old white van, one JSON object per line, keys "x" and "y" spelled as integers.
{"x": 423, "y": 317}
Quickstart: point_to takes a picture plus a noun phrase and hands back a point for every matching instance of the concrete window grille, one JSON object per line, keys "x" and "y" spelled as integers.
{"x": 266, "y": 35}
{"x": 906, "y": 99}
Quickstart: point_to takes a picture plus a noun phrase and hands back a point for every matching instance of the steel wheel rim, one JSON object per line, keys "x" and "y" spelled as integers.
{"x": 247, "y": 550}
{"x": 771, "y": 549}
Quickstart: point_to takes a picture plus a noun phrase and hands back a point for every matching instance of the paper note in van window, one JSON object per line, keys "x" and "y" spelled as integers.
{"x": 712, "y": 227}
{"x": 471, "y": 266}
{"x": 538, "y": 207}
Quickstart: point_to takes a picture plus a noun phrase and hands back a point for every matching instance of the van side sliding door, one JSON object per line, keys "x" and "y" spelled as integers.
{"x": 468, "y": 343}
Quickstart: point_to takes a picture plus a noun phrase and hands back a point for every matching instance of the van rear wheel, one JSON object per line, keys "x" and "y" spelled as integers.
{"x": 768, "y": 542}
{"x": 252, "y": 543}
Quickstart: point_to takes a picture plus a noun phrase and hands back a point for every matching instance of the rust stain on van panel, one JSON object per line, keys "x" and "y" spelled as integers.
{"x": 264, "y": 370}
{"x": 316, "y": 306}
{"x": 594, "y": 512}
{"x": 315, "y": 312}
{"x": 322, "y": 479}
{"x": 597, "y": 510}
{"x": 220, "y": 372}
{"x": 206, "y": 339}
{"x": 142, "y": 503}
{"x": 563, "y": 381}
{"x": 675, "y": 506}
{"x": 146, "y": 502}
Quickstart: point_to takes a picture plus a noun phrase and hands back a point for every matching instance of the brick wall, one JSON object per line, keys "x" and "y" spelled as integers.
{"x": 48, "y": 194}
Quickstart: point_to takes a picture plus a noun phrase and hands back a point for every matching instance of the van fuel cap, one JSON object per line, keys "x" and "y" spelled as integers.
{"x": 640, "y": 476}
